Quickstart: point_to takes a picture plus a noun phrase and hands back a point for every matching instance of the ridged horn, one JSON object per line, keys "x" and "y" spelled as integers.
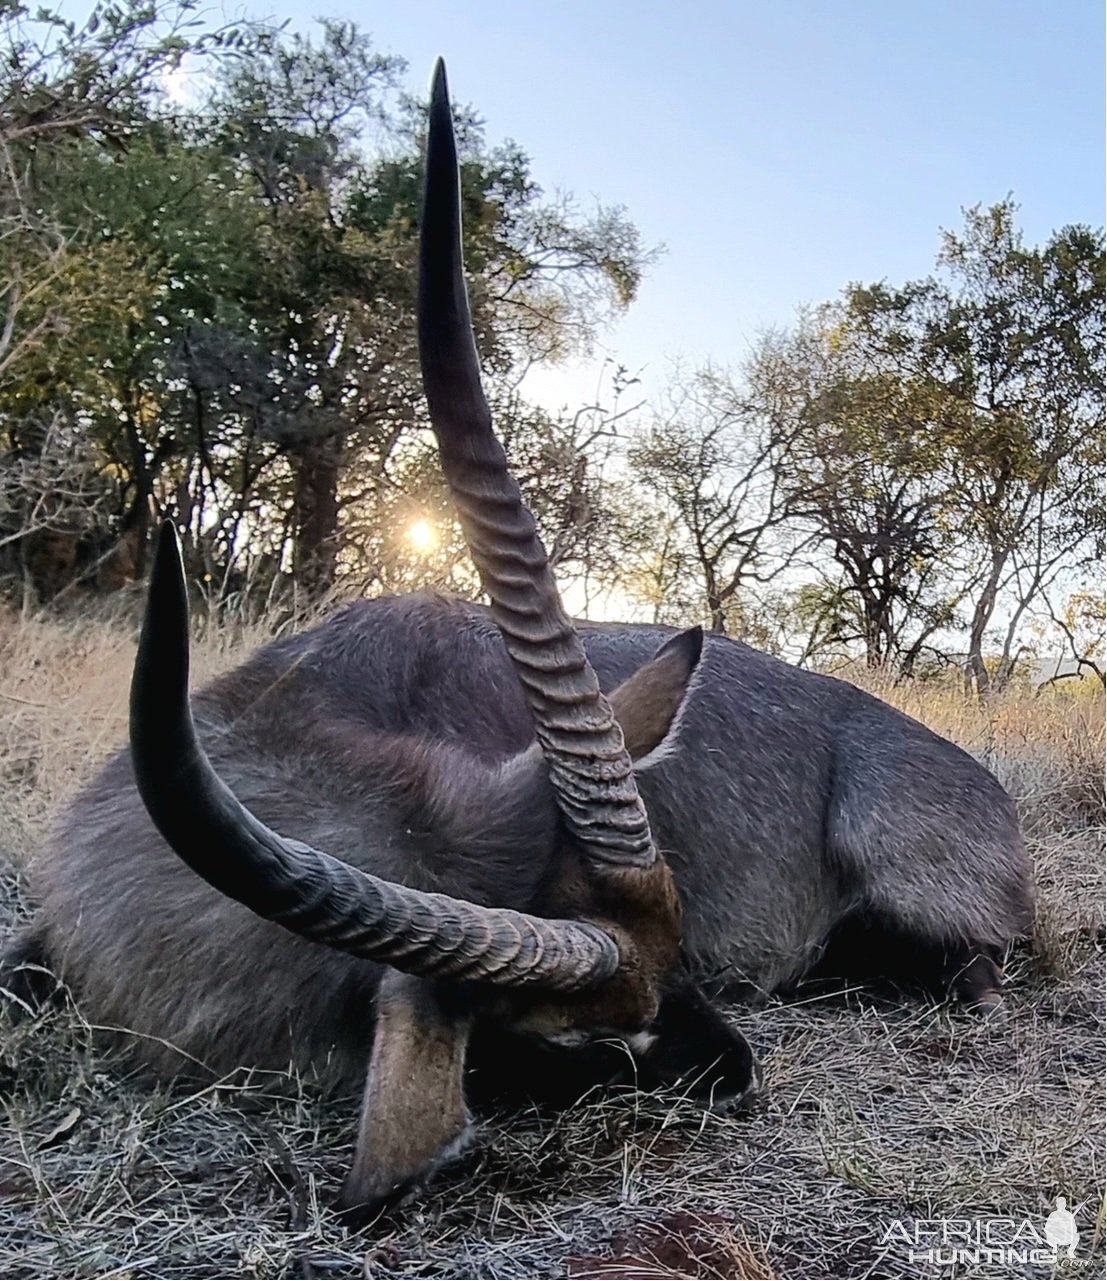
{"x": 583, "y": 745}
{"x": 308, "y": 892}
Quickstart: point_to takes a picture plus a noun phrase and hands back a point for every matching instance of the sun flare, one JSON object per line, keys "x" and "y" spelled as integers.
{"x": 422, "y": 536}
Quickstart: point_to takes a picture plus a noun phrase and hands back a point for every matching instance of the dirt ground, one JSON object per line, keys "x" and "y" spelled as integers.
{"x": 881, "y": 1114}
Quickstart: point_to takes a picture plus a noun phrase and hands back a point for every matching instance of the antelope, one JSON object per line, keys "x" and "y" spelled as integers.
{"x": 428, "y": 825}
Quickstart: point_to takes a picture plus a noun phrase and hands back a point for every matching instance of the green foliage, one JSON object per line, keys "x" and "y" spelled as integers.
{"x": 935, "y": 452}
{"x": 1004, "y": 348}
{"x": 228, "y": 288}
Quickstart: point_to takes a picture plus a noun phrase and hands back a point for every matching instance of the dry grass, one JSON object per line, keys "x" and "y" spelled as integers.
{"x": 877, "y": 1109}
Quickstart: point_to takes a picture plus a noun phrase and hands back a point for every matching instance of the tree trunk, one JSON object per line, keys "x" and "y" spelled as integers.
{"x": 315, "y": 516}
{"x": 717, "y": 609}
{"x": 976, "y": 672}
{"x": 874, "y": 633}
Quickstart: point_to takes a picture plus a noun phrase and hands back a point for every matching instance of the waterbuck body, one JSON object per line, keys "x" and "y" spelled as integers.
{"x": 789, "y": 805}
{"x": 426, "y": 820}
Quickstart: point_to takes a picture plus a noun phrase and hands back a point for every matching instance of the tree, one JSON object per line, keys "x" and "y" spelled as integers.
{"x": 868, "y": 475}
{"x": 1081, "y": 621}
{"x": 947, "y": 442}
{"x": 68, "y": 91}
{"x": 227, "y": 291}
{"x": 713, "y": 465}
{"x": 334, "y": 316}
{"x": 1008, "y": 341}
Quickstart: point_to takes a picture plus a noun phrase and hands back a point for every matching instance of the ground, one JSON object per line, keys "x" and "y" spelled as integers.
{"x": 882, "y": 1113}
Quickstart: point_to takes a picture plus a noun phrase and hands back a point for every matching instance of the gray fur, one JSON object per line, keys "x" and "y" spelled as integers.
{"x": 395, "y": 737}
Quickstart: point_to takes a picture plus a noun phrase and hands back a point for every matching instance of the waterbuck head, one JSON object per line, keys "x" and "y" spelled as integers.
{"x": 591, "y": 950}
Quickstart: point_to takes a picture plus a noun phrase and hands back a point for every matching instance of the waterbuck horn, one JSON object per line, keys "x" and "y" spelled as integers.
{"x": 588, "y": 763}
{"x": 309, "y": 892}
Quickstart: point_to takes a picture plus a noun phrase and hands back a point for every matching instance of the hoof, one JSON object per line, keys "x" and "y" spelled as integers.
{"x": 357, "y": 1209}
{"x": 365, "y": 1197}
{"x": 978, "y": 985}
{"x": 745, "y": 1100}
{"x": 986, "y": 1003}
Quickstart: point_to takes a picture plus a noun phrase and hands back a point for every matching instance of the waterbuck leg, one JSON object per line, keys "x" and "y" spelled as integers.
{"x": 413, "y": 1116}
{"x": 25, "y": 978}
{"x": 870, "y": 950}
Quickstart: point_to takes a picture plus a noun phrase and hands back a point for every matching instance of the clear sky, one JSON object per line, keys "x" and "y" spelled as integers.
{"x": 779, "y": 149}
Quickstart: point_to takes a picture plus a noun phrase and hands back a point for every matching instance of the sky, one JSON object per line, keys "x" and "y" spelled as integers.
{"x": 777, "y": 150}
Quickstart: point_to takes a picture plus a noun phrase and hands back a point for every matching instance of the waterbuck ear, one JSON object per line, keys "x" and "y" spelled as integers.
{"x": 648, "y": 704}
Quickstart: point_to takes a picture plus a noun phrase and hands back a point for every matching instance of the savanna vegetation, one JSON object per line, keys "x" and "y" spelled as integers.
{"x": 207, "y": 256}
{"x": 207, "y": 314}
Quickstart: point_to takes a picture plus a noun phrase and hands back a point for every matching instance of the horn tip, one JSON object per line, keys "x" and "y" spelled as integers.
{"x": 159, "y": 684}
{"x": 167, "y": 554}
{"x": 440, "y": 90}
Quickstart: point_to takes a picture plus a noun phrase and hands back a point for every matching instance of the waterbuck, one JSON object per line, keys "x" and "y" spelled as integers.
{"x": 511, "y": 851}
